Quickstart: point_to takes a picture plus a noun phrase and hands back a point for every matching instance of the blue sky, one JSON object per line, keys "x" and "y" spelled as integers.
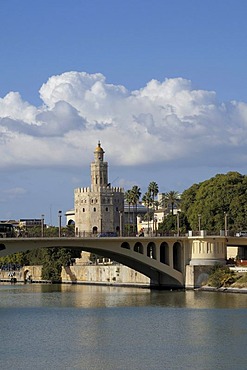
{"x": 161, "y": 83}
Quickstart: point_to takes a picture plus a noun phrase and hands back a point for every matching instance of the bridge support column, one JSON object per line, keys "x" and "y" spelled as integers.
{"x": 208, "y": 251}
{"x": 196, "y": 276}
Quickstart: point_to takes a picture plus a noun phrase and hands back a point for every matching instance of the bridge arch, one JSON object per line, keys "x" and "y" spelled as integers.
{"x": 138, "y": 247}
{"x": 177, "y": 256}
{"x": 125, "y": 245}
{"x": 164, "y": 253}
{"x": 151, "y": 250}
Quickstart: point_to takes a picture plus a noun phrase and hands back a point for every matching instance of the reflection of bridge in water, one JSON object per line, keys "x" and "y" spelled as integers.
{"x": 163, "y": 259}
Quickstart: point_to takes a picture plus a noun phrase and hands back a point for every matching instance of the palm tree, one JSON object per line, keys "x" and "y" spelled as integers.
{"x": 172, "y": 198}
{"x": 136, "y": 193}
{"x": 147, "y": 200}
{"x": 153, "y": 190}
{"x": 128, "y": 198}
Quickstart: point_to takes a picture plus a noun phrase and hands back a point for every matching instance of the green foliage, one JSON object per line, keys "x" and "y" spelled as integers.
{"x": 16, "y": 259}
{"x": 49, "y": 231}
{"x": 170, "y": 200}
{"x": 221, "y": 276}
{"x": 52, "y": 260}
{"x": 132, "y": 198}
{"x": 224, "y": 193}
{"x": 169, "y": 225}
{"x": 241, "y": 281}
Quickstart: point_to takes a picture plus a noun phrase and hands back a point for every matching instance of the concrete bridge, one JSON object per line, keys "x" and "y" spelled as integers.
{"x": 167, "y": 261}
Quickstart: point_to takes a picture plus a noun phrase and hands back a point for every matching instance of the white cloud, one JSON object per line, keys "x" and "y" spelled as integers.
{"x": 166, "y": 121}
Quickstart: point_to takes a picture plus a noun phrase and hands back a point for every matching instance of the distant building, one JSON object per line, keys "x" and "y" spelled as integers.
{"x": 25, "y": 223}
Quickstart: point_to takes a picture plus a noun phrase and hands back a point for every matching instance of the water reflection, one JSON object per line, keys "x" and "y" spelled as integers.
{"x": 91, "y": 296}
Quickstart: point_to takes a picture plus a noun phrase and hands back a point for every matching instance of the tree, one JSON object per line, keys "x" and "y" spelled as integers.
{"x": 135, "y": 197}
{"x": 213, "y": 199}
{"x": 128, "y": 198}
{"x": 147, "y": 200}
{"x": 153, "y": 189}
{"x": 171, "y": 199}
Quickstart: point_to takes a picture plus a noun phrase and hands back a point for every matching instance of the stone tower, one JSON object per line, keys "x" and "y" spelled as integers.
{"x": 99, "y": 208}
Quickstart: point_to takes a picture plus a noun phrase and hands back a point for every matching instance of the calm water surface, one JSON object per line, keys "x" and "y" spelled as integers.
{"x": 96, "y": 327}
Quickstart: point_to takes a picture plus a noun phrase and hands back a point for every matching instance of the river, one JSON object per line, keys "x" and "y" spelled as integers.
{"x": 110, "y": 328}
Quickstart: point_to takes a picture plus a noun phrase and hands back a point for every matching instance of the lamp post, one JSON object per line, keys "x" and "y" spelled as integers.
{"x": 120, "y": 223}
{"x": 42, "y": 225}
{"x": 199, "y": 223}
{"x": 59, "y": 223}
{"x": 226, "y": 226}
{"x": 101, "y": 224}
{"x": 155, "y": 224}
{"x": 178, "y": 231}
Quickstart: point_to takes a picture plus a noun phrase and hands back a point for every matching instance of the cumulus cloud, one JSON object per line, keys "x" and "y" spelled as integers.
{"x": 165, "y": 121}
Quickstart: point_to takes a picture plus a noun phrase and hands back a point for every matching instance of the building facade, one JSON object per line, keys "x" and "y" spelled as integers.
{"x": 98, "y": 209}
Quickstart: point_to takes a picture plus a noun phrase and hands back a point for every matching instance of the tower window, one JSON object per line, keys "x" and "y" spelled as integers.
{"x": 94, "y": 209}
{"x": 106, "y": 209}
{"x": 83, "y": 209}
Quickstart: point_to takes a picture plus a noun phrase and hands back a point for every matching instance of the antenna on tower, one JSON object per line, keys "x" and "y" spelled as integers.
{"x": 110, "y": 183}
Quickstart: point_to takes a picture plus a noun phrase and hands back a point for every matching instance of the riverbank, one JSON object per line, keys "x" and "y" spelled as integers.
{"x": 116, "y": 275}
{"x": 207, "y": 288}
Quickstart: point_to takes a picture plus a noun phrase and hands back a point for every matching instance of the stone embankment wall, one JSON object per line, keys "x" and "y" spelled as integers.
{"x": 87, "y": 274}
{"x": 25, "y": 273}
{"x": 104, "y": 274}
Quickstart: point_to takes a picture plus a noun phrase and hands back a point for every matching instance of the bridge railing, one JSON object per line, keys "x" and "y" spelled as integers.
{"x": 190, "y": 233}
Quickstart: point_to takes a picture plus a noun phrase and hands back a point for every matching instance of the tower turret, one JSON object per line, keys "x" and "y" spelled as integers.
{"x": 99, "y": 169}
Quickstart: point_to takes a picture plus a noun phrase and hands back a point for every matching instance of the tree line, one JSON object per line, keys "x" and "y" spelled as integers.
{"x": 216, "y": 204}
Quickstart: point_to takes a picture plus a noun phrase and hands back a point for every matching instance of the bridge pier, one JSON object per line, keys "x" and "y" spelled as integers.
{"x": 205, "y": 253}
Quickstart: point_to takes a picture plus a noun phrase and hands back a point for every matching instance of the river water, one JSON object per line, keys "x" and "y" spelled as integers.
{"x": 96, "y": 327}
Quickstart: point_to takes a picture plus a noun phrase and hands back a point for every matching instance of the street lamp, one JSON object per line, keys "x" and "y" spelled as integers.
{"x": 155, "y": 224}
{"x": 226, "y": 226}
{"x": 101, "y": 224}
{"x": 120, "y": 223}
{"x": 199, "y": 223}
{"x": 178, "y": 232}
{"x": 42, "y": 225}
{"x": 59, "y": 223}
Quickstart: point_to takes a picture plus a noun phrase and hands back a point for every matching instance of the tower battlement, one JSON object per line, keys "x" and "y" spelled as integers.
{"x": 114, "y": 189}
{"x": 83, "y": 190}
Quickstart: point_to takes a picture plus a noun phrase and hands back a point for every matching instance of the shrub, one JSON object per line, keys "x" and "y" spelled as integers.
{"x": 221, "y": 276}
